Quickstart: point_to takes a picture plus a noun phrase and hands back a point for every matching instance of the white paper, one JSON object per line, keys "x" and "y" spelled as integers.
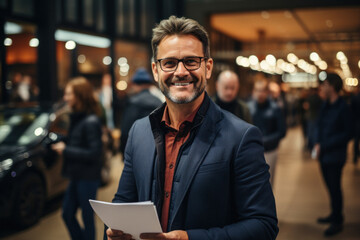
{"x": 132, "y": 218}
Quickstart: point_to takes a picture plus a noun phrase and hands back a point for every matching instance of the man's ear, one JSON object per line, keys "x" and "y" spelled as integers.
{"x": 155, "y": 71}
{"x": 209, "y": 67}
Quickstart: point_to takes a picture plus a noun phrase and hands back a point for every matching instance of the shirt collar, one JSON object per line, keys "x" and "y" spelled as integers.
{"x": 165, "y": 121}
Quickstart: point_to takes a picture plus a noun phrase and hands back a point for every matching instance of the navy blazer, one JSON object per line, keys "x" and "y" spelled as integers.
{"x": 221, "y": 186}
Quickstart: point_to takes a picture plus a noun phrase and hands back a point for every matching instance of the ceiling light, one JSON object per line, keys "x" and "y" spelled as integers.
{"x": 359, "y": 63}
{"x": 34, "y": 42}
{"x": 122, "y": 61}
{"x": 340, "y": 55}
{"x": 12, "y": 28}
{"x": 314, "y": 56}
{"x": 292, "y": 58}
{"x": 81, "y": 58}
{"x": 238, "y": 59}
{"x": 270, "y": 59}
{"x": 70, "y": 45}
{"x": 242, "y": 61}
{"x": 8, "y": 42}
{"x": 83, "y": 39}
{"x": 323, "y": 65}
{"x": 264, "y": 65}
{"x": 253, "y": 60}
{"x": 121, "y": 85}
{"x": 107, "y": 60}
{"x": 322, "y": 76}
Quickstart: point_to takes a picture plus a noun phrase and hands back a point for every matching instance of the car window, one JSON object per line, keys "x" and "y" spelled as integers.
{"x": 34, "y": 130}
{"x": 22, "y": 127}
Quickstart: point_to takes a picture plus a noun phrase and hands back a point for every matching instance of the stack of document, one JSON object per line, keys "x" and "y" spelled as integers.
{"x": 131, "y": 218}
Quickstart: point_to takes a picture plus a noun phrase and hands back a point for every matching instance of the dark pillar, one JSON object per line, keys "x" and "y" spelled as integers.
{"x": 110, "y": 10}
{"x": 3, "y": 69}
{"x": 46, "y": 69}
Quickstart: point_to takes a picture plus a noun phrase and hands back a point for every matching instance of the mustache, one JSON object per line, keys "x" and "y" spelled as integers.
{"x": 191, "y": 78}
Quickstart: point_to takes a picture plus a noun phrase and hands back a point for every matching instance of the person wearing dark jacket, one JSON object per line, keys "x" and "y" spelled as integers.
{"x": 140, "y": 104}
{"x": 267, "y": 116}
{"x": 227, "y": 89}
{"x": 82, "y": 152}
{"x": 334, "y": 132}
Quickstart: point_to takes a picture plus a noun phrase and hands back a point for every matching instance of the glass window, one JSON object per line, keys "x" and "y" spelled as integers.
{"x": 100, "y": 23}
{"x": 3, "y": 3}
{"x": 21, "y": 59}
{"x": 120, "y": 18}
{"x": 132, "y": 18}
{"x": 23, "y": 7}
{"x": 88, "y": 11}
{"x": 71, "y": 10}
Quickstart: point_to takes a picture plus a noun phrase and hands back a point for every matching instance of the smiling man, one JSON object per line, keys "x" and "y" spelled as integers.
{"x": 203, "y": 167}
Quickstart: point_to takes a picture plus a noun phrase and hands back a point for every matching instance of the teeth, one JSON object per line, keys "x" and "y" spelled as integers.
{"x": 181, "y": 84}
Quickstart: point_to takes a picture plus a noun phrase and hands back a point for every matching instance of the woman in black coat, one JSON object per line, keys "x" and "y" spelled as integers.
{"x": 82, "y": 152}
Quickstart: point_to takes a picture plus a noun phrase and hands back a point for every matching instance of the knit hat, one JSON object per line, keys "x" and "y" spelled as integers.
{"x": 141, "y": 76}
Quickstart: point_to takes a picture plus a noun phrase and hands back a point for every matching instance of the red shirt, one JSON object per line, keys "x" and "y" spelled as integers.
{"x": 174, "y": 139}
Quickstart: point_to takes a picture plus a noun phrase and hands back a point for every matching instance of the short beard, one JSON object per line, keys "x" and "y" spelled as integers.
{"x": 197, "y": 92}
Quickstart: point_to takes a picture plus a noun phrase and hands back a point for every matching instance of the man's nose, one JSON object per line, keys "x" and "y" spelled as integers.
{"x": 181, "y": 70}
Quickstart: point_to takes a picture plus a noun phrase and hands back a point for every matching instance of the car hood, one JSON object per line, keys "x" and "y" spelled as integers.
{"x": 11, "y": 151}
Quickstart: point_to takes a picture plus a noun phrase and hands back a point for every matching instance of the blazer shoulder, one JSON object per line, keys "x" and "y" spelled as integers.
{"x": 235, "y": 124}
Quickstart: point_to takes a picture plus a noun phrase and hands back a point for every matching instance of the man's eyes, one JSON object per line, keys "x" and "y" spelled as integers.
{"x": 190, "y": 61}
{"x": 170, "y": 62}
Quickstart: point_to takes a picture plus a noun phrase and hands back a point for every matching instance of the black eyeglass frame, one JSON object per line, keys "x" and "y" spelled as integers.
{"x": 181, "y": 60}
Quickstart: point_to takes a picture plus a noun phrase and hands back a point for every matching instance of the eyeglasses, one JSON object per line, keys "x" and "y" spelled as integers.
{"x": 171, "y": 64}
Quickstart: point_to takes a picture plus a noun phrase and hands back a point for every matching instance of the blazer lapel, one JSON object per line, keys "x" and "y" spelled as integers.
{"x": 199, "y": 148}
{"x": 147, "y": 157}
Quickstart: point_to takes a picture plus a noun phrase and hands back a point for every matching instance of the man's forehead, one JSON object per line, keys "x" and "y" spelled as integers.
{"x": 179, "y": 42}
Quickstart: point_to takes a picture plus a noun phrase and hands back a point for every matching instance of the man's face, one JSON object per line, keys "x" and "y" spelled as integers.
{"x": 260, "y": 92}
{"x": 227, "y": 87}
{"x": 182, "y": 86}
{"x": 325, "y": 90}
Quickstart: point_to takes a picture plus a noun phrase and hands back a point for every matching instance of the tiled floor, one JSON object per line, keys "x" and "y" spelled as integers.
{"x": 299, "y": 191}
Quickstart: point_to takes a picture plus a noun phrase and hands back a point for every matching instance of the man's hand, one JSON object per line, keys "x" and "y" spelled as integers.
{"x": 173, "y": 235}
{"x": 316, "y": 151}
{"x": 113, "y": 234}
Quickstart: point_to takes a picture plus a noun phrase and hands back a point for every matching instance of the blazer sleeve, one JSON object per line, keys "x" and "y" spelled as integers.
{"x": 254, "y": 201}
{"x": 127, "y": 191}
{"x": 93, "y": 148}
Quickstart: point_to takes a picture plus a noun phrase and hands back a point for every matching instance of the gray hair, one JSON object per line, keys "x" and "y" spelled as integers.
{"x": 179, "y": 26}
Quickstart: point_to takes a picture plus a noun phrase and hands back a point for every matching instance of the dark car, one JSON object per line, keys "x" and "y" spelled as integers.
{"x": 30, "y": 172}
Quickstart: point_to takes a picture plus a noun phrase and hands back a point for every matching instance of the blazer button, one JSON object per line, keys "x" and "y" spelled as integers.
{"x": 167, "y": 194}
{"x": 171, "y": 166}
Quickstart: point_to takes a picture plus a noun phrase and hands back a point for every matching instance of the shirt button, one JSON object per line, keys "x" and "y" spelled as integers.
{"x": 167, "y": 194}
{"x": 171, "y": 165}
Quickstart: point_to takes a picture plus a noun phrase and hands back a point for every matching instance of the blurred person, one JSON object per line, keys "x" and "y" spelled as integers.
{"x": 140, "y": 103}
{"x": 355, "y": 107}
{"x": 82, "y": 152}
{"x": 277, "y": 95}
{"x": 203, "y": 168}
{"x": 314, "y": 103}
{"x": 227, "y": 89}
{"x": 334, "y": 132}
{"x": 267, "y": 116}
{"x": 106, "y": 99}
{"x": 24, "y": 90}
